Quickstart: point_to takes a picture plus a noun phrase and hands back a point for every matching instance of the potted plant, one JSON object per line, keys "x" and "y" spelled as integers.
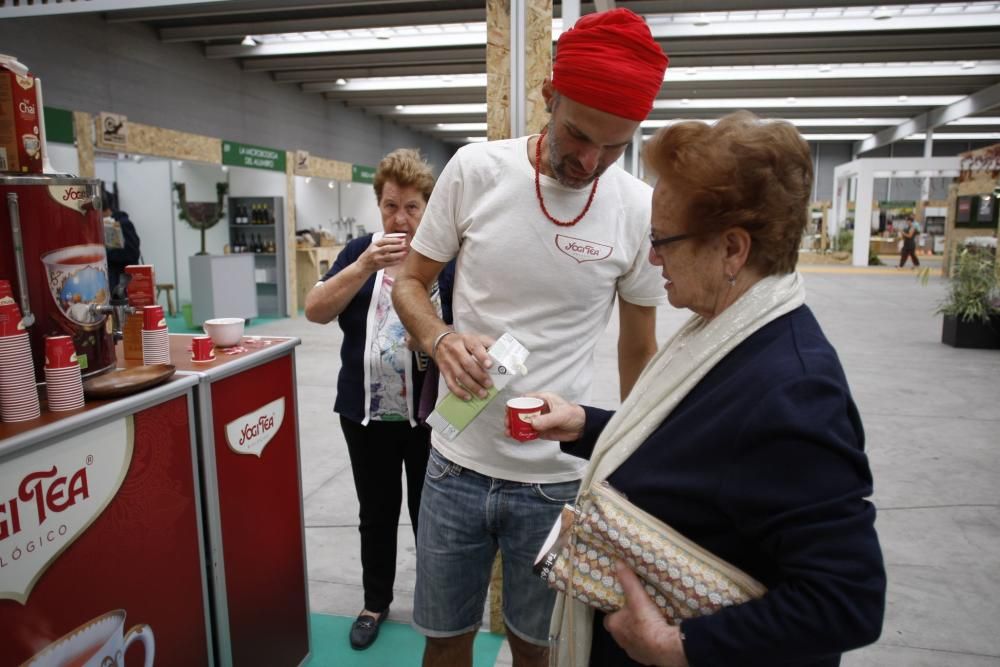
{"x": 972, "y": 307}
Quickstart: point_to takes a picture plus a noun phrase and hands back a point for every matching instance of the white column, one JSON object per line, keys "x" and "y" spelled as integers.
{"x": 925, "y": 186}
{"x": 636, "y": 163}
{"x": 518, "y": 104}
{"x": 863, "y": 215}
{"x": 570, "y": 13}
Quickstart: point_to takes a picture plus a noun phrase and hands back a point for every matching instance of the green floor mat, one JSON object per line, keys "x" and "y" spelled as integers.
{"x": 398, "y": 645}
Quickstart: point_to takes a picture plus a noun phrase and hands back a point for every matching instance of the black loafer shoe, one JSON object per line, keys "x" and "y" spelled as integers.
{"x": 365, "y": 630}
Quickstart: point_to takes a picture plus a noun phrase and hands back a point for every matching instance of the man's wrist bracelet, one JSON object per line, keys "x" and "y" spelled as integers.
{"x": 437, "y": 341}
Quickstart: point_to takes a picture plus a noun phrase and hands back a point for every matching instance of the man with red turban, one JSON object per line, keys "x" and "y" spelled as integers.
{"x": 549, "y": 233}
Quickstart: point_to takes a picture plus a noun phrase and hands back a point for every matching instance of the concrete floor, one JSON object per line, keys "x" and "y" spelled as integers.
{"x": 933, "y": 426}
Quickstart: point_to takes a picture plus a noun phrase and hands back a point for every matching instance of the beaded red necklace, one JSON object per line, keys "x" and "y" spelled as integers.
{"x": 538, "y": 188}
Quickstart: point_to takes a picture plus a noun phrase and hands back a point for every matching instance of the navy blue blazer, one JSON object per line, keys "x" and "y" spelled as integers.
{"x": 763, "y": 464}
{"x": 350, "y": 382}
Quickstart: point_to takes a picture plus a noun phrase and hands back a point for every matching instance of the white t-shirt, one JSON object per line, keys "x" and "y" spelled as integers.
{"x": 551, "y": 287}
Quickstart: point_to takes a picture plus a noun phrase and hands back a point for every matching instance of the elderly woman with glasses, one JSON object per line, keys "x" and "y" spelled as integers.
{"x": 741, "y": 433}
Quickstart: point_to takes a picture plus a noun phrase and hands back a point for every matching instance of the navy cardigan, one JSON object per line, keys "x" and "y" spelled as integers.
{"x": 350, "y": 382}
{"x": 763, "y": 464}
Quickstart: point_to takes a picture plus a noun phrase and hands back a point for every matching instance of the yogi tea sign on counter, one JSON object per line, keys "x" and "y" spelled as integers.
{"x": 101, "y": 555}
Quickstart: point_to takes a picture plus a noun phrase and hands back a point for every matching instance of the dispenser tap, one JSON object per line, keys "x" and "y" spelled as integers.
{"x": 117, "y": 307}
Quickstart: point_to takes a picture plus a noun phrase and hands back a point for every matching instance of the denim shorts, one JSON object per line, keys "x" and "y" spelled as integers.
{"x": 464, "y": 518}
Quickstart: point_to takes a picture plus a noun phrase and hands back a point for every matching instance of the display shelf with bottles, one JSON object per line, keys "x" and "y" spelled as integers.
{"x": 256, "y": 226}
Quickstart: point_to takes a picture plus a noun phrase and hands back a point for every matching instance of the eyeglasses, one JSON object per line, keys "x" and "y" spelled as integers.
{"x": 667, "y": 240}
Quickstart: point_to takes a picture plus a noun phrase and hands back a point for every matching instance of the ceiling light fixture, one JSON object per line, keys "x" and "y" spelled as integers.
{"x": 702, "y": 20}
{"x": 341, "y": 82}
{"x": 400, "y": 107}
{"x": 825, "y": 68}
{"x": 249, "y": 41}
{"x": 881, "y": 14}
{"x": 969, "y": 64}
{"x": 308, "y": 180}
{"x": 462, "y": 127}
{"x": 330, "y": 185}
{"x": 790, "y": 100}
{"x": 903, "y": 98}
{"x": 685, "y": 101}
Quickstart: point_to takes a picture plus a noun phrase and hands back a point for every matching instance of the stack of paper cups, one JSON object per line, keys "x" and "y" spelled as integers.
{"x": 63, "y": 381}
{"x": 155, "y": 339}
{"x": 18, "y": 396}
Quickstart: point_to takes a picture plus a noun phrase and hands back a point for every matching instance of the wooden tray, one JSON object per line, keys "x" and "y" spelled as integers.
{"x": 125, "y": 381}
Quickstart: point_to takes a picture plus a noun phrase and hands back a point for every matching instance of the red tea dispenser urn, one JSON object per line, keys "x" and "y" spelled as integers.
{"x": 52, "y": 252}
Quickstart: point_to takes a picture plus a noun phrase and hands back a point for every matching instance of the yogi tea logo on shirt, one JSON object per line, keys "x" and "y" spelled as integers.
{"x": 50, "y": 496}
{"x": 581, "y": 250}
{"x": 250, "y": 433}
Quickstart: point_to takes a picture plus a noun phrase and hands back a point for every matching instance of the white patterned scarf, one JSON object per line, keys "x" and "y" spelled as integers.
{"x": 668, "y": 377}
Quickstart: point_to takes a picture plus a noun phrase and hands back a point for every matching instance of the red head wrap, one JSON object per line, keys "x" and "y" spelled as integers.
{"x": 609, "y": 61}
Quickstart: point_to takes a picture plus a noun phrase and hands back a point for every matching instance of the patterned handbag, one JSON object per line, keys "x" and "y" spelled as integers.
{"x": 683, "y": 579}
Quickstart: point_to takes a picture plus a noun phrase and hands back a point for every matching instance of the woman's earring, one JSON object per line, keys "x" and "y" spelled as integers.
{"x": 732, "y": 279}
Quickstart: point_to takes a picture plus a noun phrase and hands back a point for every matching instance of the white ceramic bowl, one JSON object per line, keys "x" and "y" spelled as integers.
{"x": 225, "y": 331}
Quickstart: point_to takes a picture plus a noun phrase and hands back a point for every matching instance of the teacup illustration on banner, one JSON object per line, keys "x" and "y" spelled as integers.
{"x": 97, "y": 643}
{"x": 78, "y": 278}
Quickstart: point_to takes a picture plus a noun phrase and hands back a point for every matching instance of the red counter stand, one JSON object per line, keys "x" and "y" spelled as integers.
{"x": 101, "y": 549}
{"x": 248, "y": 433}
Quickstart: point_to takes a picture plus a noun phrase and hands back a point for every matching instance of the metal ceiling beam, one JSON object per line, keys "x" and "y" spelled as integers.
{"x": 975, "y": 103}
{"x": 204, "y": 32}
{"x": 878, "y": 46}
{"x": 409, "y": 120}
{"x": 390, "y": 98}
{"x": 474, "y": 54}
{"x": 250, "y": 7}
{"x": 247, "y": 7}
{"x": 820, "y": 86}
{"x": 686, "y": 6}
{"x": 825, "y": 57}
{"x": 320, "y": 75}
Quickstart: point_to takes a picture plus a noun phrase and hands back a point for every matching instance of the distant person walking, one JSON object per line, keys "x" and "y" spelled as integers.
{"x": 909, "y": 249}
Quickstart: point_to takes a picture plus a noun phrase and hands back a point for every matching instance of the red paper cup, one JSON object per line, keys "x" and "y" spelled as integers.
{"x": 517, "y": 409}
{"x": 59, "y": 352}
{"x": 152, "y": 318}
{"x": 202, "y": 348}
{"x": 10, "y": 320}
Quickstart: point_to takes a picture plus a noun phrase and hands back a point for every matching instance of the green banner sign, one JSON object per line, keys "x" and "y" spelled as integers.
{"x": 255, "y": 157}
{"x": 362, "y": 174}
{"x": 59, "y": 125}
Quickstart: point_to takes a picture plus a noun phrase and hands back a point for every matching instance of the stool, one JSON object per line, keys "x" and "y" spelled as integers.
{"x": 169, "y": 289}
